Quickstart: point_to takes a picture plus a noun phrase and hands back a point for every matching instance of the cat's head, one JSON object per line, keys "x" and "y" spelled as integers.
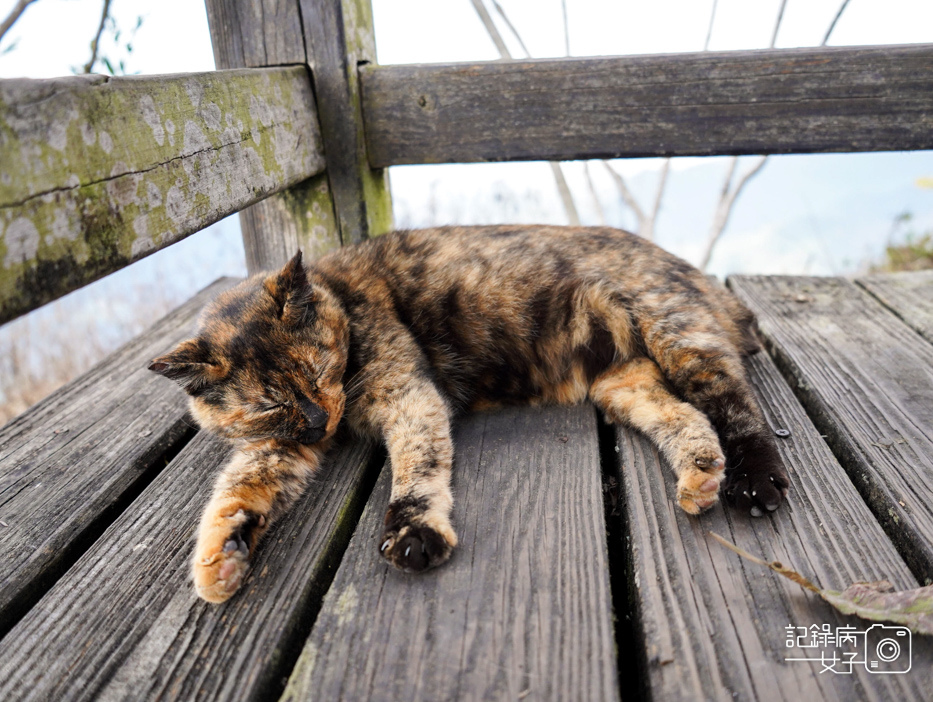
{"x": 268, "y": 360}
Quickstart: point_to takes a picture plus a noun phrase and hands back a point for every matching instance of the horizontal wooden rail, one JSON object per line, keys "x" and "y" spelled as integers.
{"x": 98, "y": 172}
{"x": 749, "y": 102}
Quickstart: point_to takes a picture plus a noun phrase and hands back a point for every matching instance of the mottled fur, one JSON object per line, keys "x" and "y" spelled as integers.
{"x": 400, "y": 333}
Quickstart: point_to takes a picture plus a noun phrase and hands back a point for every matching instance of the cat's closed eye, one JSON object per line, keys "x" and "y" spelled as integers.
{"x": 271, "y": 407}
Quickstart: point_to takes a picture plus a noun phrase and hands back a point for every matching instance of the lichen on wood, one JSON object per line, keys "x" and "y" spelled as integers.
{"x": 99, "y": 172}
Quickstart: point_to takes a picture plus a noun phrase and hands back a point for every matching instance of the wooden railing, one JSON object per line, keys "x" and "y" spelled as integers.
{"x": 99, "y": 172}
{"x": 701, "y": 104}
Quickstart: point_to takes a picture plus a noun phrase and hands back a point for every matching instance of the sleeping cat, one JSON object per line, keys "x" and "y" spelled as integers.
{"x": 398, "y": 334}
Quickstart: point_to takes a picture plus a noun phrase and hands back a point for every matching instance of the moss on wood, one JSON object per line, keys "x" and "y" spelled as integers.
{"x": 99, "y": 172}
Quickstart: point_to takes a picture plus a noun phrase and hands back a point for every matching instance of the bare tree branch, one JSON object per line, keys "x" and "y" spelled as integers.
{"x": 563, "y": 7}
{"x": 14, "y": 16}
{"x": 777, "y": 25}
{"x": 566, "y": 197}
{"x": 105, "y": 13}
{"x": 570, "y": 208}
{"x": 491, "y": 29}
{"x": 729, "y": 195}
{"x": 600, "y": 212}
{"x": 508, "y": 23}
{"x": 724, "y": 210}
{"x": 709, "y": 32}
{"x": 832, "y": 26}
{"x": 626, "y": 195}
{"x": 647, "y": 228}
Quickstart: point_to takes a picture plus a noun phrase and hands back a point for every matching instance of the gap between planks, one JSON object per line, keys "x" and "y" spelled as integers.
{"x": 714, "y": 626}
{"x": 125, "y": 622}
{"x": 73, "y": 462}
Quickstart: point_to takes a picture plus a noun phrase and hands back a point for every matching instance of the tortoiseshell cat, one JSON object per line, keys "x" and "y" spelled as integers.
{"x": 399, "y": 333}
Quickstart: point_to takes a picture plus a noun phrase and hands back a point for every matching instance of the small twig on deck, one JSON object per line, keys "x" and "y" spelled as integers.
{"x": 14, "y": 15}
{"x": 776, "y": 566}
{"x": 562, "y": 188}
{"x": 105, "y": 13}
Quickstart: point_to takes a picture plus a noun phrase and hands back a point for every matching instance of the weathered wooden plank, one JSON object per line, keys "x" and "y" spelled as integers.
{"x": 713, "y": 625}
{"x": 99, "y": 171}
{"x": 866, "y": 380}
{"x": 521, "y": 611}
{"x": 339, "y": 39}
{"x": 248, "y": 34}
{"x": 71, "y": 462}
{"x": 124, "y": 622}
{"x": 908, "y": 294}
{"x": 750, "y": 102}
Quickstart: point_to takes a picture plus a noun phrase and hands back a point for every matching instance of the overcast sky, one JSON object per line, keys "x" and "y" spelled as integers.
{"x": 53, "y": 35}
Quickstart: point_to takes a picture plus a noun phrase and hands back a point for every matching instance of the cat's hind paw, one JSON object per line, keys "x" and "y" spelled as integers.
{"x": 757, "y": 483}
{"x": 698, "y": 486}
{"x": 221, "y": 557}
{"x": 758, "y": 492}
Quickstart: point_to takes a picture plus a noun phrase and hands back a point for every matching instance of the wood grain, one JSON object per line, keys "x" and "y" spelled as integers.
{"x": 246, "y": 33}
{"x": 521, "y": 611}
{"x": 866, "y": 380}
{"x": 909, "y": 295}
{"x": 339, "y": 39}
{"x": 749, "y": 102}
{"x": 100, "y": 172}
{"x": 124, "y": 622}
{"x": 713, "y": 625}
{"x": 252, "y": 34}
{"x": 70, "y": 463}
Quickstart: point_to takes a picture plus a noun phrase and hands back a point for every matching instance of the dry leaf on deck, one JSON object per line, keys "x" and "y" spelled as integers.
{"x": 876, "y": 601}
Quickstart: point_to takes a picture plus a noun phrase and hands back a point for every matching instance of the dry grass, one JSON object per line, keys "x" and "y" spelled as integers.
{"x": 41, "y": 352}
{"x": 45, "y": 349}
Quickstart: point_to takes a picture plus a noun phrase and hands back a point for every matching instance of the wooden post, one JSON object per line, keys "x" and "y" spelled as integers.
{"x": 349, "y": 202}
{"x": 339, "y": 39}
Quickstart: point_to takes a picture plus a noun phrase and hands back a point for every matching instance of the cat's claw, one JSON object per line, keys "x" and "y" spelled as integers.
{"x": 416, "y": 548}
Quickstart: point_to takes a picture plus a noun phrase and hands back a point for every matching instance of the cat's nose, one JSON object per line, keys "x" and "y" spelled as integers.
{"x": 315, "y": 415}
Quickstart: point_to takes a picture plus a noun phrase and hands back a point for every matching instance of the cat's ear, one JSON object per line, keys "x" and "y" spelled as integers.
{"x": 291, "y": 291}
{"x": 189, "y": 364}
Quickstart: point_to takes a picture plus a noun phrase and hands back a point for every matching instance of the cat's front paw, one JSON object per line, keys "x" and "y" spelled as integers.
{"x": 221, "y": 557}
{"x": 417, "y": 548}
{"x": 416, "y": 537}
{"x": 698, "y": 484}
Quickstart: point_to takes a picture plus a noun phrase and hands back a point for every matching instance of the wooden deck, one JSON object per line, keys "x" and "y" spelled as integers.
{"x": 576, "y": 578}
